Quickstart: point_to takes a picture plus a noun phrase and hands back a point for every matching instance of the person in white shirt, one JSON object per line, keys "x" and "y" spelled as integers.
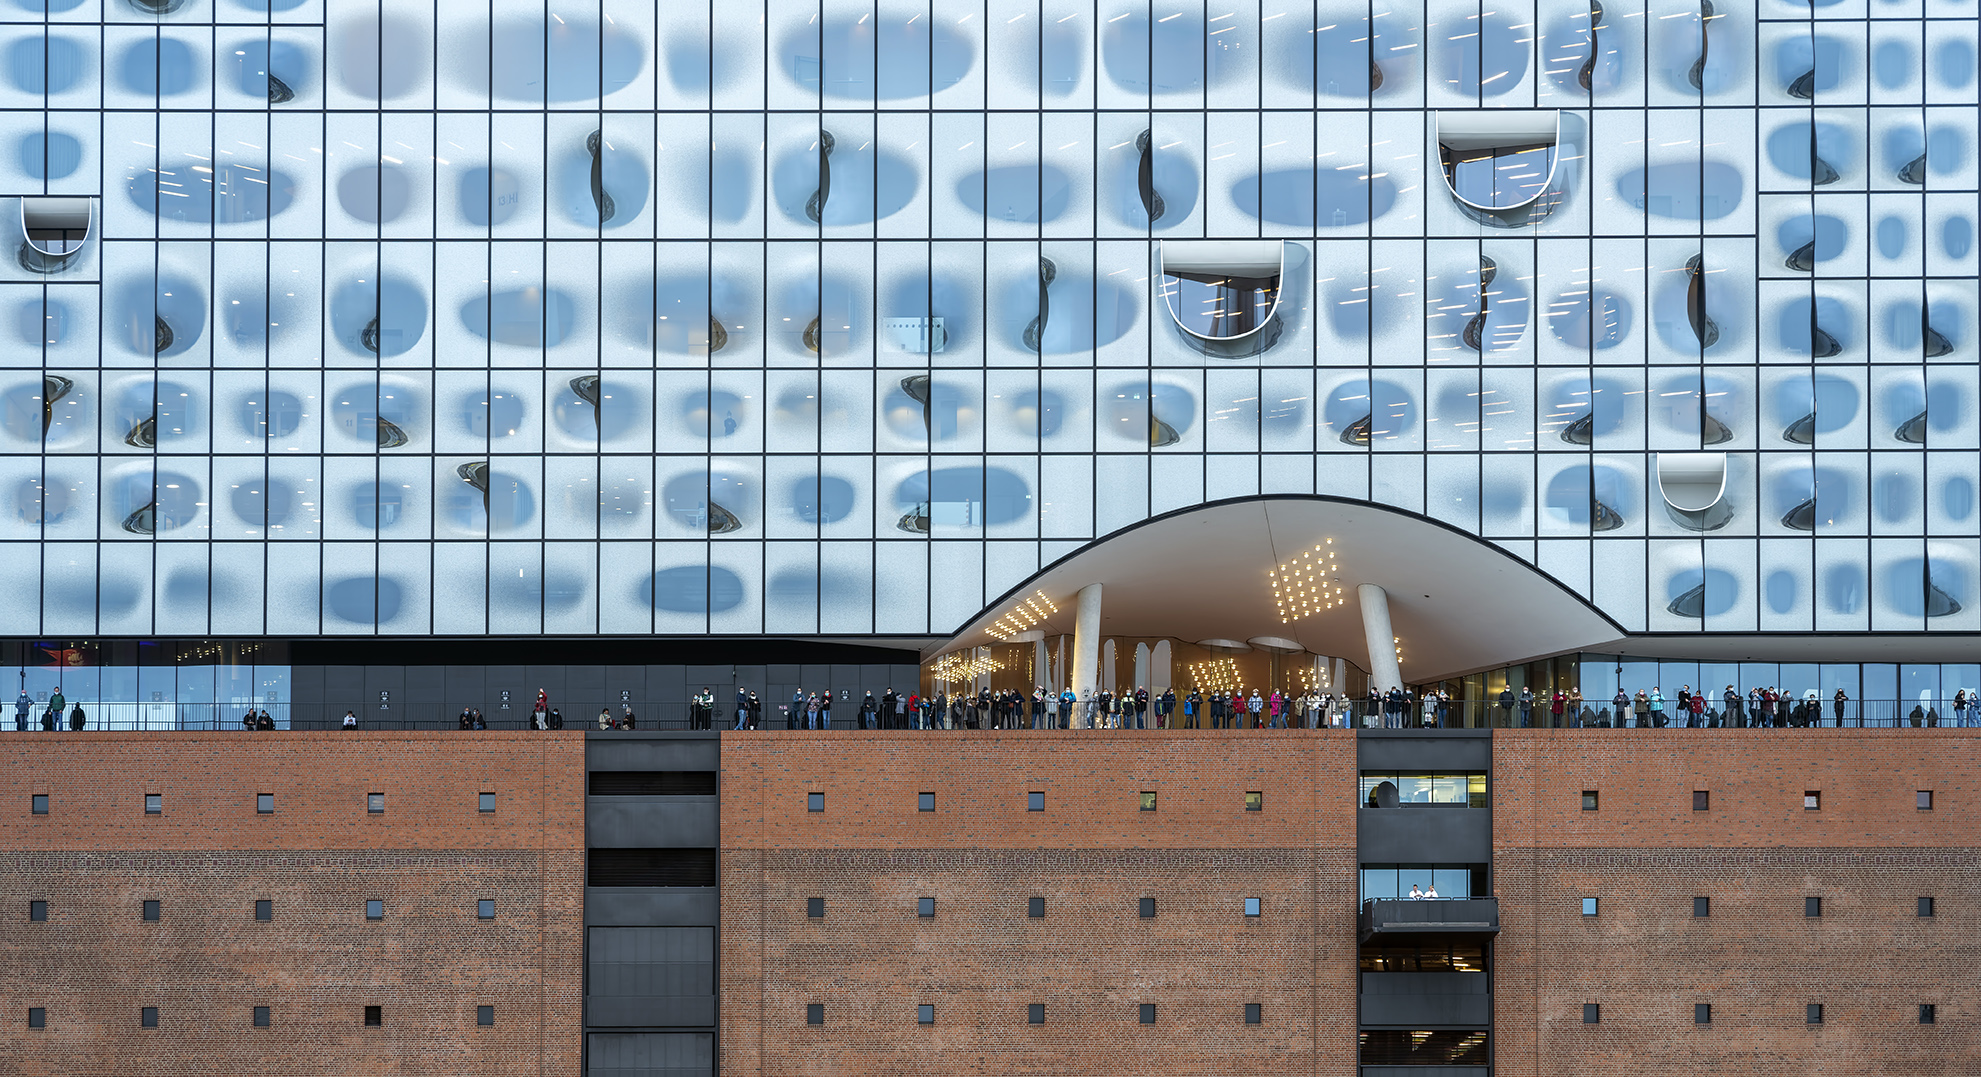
{"x": 1432, "y": 893}
{"x": 1416, "y": 894}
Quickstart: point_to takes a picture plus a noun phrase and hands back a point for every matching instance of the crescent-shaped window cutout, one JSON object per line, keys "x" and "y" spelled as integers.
{"x": 1223, "y": 294}
{"x": 1693, "y": 485}
{"x": 1501, "y": 162}
{"x": 56, "y": 230}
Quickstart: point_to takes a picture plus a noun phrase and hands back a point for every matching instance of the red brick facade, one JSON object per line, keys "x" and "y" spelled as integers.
{"x": 207, "y": 857}
{"x": 1092, "y": 854}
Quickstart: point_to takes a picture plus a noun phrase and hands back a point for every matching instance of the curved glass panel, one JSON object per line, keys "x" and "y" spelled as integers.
{"x": 1499, "y": 161}
{"x": 1224, "y": 294}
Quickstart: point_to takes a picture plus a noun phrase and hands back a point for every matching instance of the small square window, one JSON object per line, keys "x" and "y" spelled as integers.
{"x": 151, "y": 910}
{"x": 1923, "y": 799}
{"x": 1702, "y": 1013}
{"x": 374, "y": 1016}
{"x": 1589, "y": 799}
{"x": 1812, "y": 907}
{"x": 1035, "y": 1014}
{"x": 814, "y": 801}
{"x": 261, "y": 1017}
{"x": 1812, "y": 1014}
{"x": 1588, "y": 906}
{"x": 1148, "y": 1013}
{"x": 815, "y": 1013}
{"x": 485, "y": 803}
{"x": 1147, "y": 908}
{"x": 815, "y": 908}
{"x": 1035, "y": 908}
{"x": 485, "y": 909}
{"x": 1255, "y": 801}
{"x": 1251, "y": 906}
{"x": 1812, "y": 800}
{"x": 374, "y": 909}
{"x": 265, "y": 909}
{"x": 38, "y": 911}
{"x": 924, "y": 801}
{"x": 1702, "y": 799}
{"x": 38, "y": 803}
{"x": 154, "y": 803}
{"x": 1702, "y": 907}
{"x": 374, "y": 803}
{"x": 1592, "y": 1013}
{"x": 1148, "y": 801}
{"x": 1035, "y": 801}
{"x": 485, "y": 1016}
{"x": 37, "y": 1017}
{"x": 1255, "y": 1014}
{"x": 1925, "y": 906}
{"x": 925, "y": 907}
{"x": 148, "y": 1017}
{"x": 925, "y": 1014}
{"x": 264, "y": 803}
{"x": 1928, "y": 1013}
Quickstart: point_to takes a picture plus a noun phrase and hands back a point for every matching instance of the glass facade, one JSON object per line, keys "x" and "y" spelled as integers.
{"x": 487, "y": 317}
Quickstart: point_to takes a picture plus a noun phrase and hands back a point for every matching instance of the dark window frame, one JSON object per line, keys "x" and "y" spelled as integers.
{"x": 1702, "y": 908}
{"x": 1702, "y": 1013}
{"x": 374, "y": 1017}
{"x": 1702, "y": 800}
{"x": 1035, "y": 800}
{"x": 38, "y": 912}
{"x": 1592, "y": 1013}
{"x": 1812, "y": 1013}
{"x": 148, "y": 1017}
{"x": 152, "y": 911}
{"x": 925, "y": 1013}
{"x": 1929, "y": 1013}
{"x": 1922, "y": 799}
{"x": 925, "y": 802}
{"x": 1592, "y": 799}
{"x": 484, "y": 1017}
{"x": 264, "y": 803}
{"x": 37, "y": 1017}
{"x": 1147, "y": 800}
{"x": 814, "y": 802}
{"x": 264, "y": 909}
{"x": 1147, "y": 1013}
{"x": 1255, "y": 800}
{"x": 37, "y": 803}
{"x": 263, "y": 1017}
{"x": 1035, "y": 1013}
{"x": 1812, "y": 908}
{"x": 379, "y": 903}
{"x": 1255, "y": 1013}
{"x": 1925, "y": 907}
{"x": 154, "y": 804}
{"x": 374, "y": 803}
{"x": 1592, "y": 906}
{"x": 485, "y": 803}
{"x": 1145, "y": 908}
{"x": 1253, "y": 908}
{"x": 814, "y": 908}
{"x": 1812, "y": 800}
{"x": 484, "y": 908}
{"x": 815, "y": 1013}
{"x": 1035, "y": 908}
{"x": 924, "y": 908}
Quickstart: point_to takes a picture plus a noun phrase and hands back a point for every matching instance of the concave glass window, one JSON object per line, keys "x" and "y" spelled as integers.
{"x": 1224, "y": 293}
{"x": 1498, "y": 161}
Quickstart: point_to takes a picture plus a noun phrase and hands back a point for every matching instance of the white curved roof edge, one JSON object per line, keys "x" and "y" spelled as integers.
{"x": 1692, "y": 481}
{"x": 1257, "y": 257}
{"x": 60, "y": 211}
{"x": 1276, "y": 643}
{"x": 1484, "y": 128}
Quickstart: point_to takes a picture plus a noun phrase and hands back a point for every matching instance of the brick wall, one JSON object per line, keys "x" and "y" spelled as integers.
{"x": 1869, "y": 853}
{"x": 96, "y": 857}
{"x": 1092, "y": 854}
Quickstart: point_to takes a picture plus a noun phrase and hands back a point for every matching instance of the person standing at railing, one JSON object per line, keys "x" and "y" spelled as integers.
{"x": 1837, "y": 701}
{"x": 22, "y": 708}
{"x": 57, "y": 705}
{"x": 76, "y": 717}
{"x": 1960, "y": 705}
{"x": 1575, "y": 708}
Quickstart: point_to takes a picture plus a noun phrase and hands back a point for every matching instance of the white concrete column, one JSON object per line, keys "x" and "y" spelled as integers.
{"x": 1086, "y": 645}
{"x": 1384, "y": 673}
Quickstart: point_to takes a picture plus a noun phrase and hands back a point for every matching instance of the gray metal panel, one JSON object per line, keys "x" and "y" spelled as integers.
{"x": 1426, "y": 1000}
{"x": 640, "y": 906}
{"x": 653, "y": 750}
{"x": 548, "y": 678}
{"x": 1424, "y": 749}
{"x": 1425, "y": 1071}
{"x": 668, "y": 684}
{"x": 650, "y": 1054}
{"x": 783, "y": 673}
{"x": 674, "y": 822}
{"x": 649, "y": 1011}
{"x": 1424, "y": 835}
{"x": 426, "y": 684}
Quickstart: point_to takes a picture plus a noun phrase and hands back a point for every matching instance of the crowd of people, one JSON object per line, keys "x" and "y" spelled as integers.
{"x": 52, "y": 715}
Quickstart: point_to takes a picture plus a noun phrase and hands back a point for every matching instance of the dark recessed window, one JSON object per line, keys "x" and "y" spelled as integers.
{"x": 1813, "y": 1013}
{"x": 37, "y": 1017}
{"x": 1812, "y": 906}
{"x": 485, "y": 1016}
{"x": 154, "y": 803}
{"x": 1147, "y": 908}
{"x": 815, "y": 1013}
{"x": 1035, "y": 801}
{"x": 1925, "y": 906}
{"x": 1588, "y": 906}
{"x": 261, "y": 1017}
{"x": 1702, "y": 907}
{"x": 374, "y": 909}
{"x": 1251, "y": 906}
{"x": 151, "y": 910}
{"x": 485, "y": 909}
{"x": 374, "y": 1016}
{"x": 38, "y": 803}
{"x": 38, "y": 910}
{"x": 924, "y": 801}
{"x": 1592, "y": 1013}
{"x": 1923, "y": 799}
{"x": 1928, "y": 1013}
{"x": 1702, "y": 1013}
{"x": 1035, "y": 908}
{"x": 1035, "y": 1014}
{"x": 264, "y": 909}
{"x": 264, "y": 803}
{"x": 814, "y": 801}
{"x": 1255, "y": 1014}
{"x": 925, "y": 907}
{"x": 1702, "y": 799}
{"x": 485, "y": 802}
{"x": 148, "y": 1017}
{"x": 925, "y": 1014}
{"x": 375, "y": 803}
{"x": 1812, "y": 800}
{"x": 1255, "y": 801}
{"x": 1148, "y": 801}
{"x": 1589, "y": 800}
{"x": 815, "y": 908}
{"x": 1148, "y": 1013}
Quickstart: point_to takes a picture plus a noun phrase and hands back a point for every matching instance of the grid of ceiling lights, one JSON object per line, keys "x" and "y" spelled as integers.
{"x": 1216, "y": 675}
{"x": 962, "y": 666}
{"x": 1031, "y": 610}
{"x": 1307, "y": 584}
